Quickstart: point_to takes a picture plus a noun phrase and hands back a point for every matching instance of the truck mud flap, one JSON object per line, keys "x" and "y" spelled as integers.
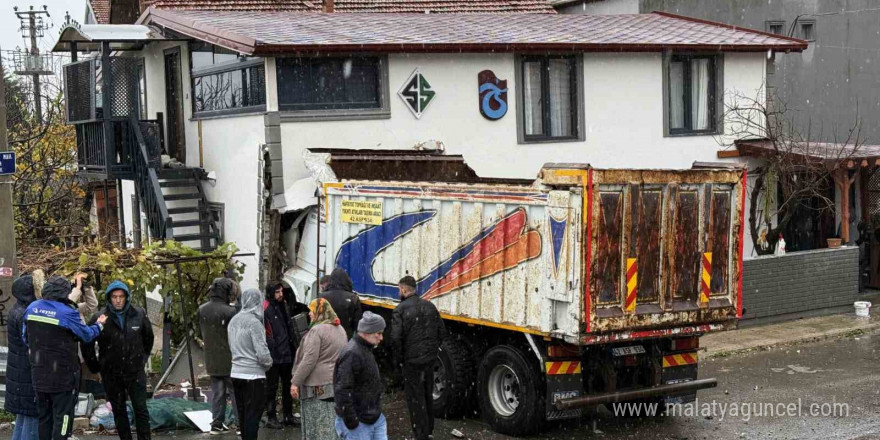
{"x": 564, "y": 381}
{"x": 678, "y": 369}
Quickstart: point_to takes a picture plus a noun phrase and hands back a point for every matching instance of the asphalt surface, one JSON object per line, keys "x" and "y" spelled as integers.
{"x": 844, "y": 371}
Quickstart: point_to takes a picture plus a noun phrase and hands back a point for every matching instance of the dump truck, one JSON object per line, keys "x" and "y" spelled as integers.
{"x": 583, "y": 287}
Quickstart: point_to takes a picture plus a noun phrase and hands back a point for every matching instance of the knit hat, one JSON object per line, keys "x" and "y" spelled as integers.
{"x": 371, "y": 323}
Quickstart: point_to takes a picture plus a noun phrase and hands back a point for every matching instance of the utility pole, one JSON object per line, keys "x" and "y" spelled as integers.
{"x": 8, "y": 266}
{"x": 30, "y": 62}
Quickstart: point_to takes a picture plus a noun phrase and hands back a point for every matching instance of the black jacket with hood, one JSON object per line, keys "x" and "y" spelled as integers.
{"x": 125, "y": 343}
{"x": 214, "y": 317}
{"x": 19, "y": 385}
{"x": 277, "y": 322}
{"x": 346, "y": 304}
{"x": 416, "y": 331}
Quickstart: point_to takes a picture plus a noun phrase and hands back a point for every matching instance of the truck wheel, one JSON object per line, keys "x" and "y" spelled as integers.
{"x": 453, "y": 379}
{"x": 510, "y": 398}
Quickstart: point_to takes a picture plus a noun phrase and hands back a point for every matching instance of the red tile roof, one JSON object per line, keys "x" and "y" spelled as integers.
{"x": 101, "y": 8}
{"x": 384, "y": 6}
{"x": 273, "y": 32}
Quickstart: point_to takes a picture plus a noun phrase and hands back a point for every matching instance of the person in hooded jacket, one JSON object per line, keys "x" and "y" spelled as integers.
{"x": 280, "y": 341}
{"x": 52, "y": 331}
{"x": 19, "y": 385}
{"x": 123, "y": 348}
{"x": 214, "y": 317}
{"x": 341, "y": 297}
{"x": 250, "y": 360}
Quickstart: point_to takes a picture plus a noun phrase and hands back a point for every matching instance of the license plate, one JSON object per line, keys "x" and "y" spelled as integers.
{"x": 626, "y": 351}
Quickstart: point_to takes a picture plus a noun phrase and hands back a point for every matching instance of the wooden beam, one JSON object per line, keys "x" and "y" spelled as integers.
{"x": 726, "y": 154}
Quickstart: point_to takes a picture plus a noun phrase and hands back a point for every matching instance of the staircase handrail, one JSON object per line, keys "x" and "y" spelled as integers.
{"x": 152, "y": 197}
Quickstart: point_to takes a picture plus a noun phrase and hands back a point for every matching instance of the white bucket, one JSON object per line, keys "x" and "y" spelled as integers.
{"x": 863, "y": 309}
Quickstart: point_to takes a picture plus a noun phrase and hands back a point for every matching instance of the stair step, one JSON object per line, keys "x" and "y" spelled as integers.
{"x": 187, "y": 196}
{"x": 188, "y": 223}
{"x": 179, "y": 183}
{"x": 175, "y": 173}
{"x": 194, "y": 237}
{"x": 186, "y": 210}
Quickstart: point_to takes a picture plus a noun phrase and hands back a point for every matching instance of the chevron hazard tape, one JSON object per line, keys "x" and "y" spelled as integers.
{"x": 678, "y": 360}
{"x": 562, "y": 367}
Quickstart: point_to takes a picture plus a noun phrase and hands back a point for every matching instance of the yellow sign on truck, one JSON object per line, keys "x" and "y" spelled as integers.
{"x": 369, "y": 213}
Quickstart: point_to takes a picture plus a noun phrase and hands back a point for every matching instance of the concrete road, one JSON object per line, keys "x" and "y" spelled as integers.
{"x": 845, "y": 372}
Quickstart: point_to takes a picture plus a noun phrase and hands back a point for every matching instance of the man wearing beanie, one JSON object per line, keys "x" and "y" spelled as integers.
{"x": 52, "y": 331}
{"x": 416, "y": 334}
{"x": 357, "y": 386}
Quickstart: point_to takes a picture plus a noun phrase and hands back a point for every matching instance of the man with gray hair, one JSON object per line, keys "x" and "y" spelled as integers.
{"x": 357, "y": 386}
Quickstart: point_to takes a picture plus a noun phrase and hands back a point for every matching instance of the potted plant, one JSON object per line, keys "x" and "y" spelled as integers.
{"x": 836, "y": 241}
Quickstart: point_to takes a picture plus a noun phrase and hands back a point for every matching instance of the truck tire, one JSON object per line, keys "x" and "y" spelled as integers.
{"x": 453, "y": 379}
{"x": 511, "y": 401}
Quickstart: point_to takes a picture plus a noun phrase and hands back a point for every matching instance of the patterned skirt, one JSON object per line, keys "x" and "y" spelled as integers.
{"x": 318, "y": 417}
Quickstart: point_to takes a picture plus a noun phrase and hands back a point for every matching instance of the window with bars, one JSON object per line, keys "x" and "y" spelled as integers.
{"x": 224, "y": 82}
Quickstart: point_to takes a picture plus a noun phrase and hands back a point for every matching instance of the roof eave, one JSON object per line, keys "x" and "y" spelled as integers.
{"x": 190, "y": 28}
{"x": 278, "y": 49}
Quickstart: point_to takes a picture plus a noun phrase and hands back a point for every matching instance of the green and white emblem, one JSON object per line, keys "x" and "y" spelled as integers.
{"x": 416, "y": 93}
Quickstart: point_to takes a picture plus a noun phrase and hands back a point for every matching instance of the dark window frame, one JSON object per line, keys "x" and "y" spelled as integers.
{"x": 802, "y": 25}
{"x": 242, "y": 65}
{"x": 576, "y": 100}
{"x": 298, "y": 113}
{"x": 715, "y": 89}
{"x": 769, "y": 24}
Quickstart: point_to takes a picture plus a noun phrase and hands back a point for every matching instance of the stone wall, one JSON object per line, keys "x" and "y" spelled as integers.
{"x": 799, "y": 284}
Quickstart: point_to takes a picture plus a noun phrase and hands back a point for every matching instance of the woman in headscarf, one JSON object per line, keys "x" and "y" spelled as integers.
{"x": 250, "y": 360}
{"x": 312, "y": 381}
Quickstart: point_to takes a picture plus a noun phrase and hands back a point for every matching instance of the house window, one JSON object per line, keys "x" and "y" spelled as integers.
{"x": 691, "y": 94}
{"x": 330, "y": 83}
{"x": 549, "y": 97}
{"x": 775, "y": 27}
{"x": 808, "y": 29}
{"x": 224, "y": 82}
{"x": 218, "y": 216}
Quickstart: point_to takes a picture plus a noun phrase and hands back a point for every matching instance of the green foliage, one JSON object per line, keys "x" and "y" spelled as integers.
{"x": 144, "y": 271}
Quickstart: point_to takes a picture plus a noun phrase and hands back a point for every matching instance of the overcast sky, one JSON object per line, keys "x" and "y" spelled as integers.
{"x": 10, "y": 37}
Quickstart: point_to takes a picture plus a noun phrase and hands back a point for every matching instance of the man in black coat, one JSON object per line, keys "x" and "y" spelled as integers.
{"x": 345, "y": 303}
{"x": 214, "y": 317}
{"x": 123, "y": 348}
{"x": 280, "y": 342}
{"x": 416, "y": 334}
{"x": 357, "y": 385}
{"x": 20, "y": 397}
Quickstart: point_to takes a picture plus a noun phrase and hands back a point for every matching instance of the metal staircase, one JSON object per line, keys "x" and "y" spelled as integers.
{"x": 192, "y": 222}
{"x": 172, "y": 199}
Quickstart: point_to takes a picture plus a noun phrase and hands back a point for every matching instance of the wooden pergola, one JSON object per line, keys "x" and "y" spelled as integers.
{"x": 840, "y": 159}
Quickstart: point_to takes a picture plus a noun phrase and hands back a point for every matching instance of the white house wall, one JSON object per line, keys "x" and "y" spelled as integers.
{"x": 623, "y": 117}
{"x": 231, "y": 150}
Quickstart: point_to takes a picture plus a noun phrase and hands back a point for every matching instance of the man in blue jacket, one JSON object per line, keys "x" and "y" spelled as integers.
{"x": 52, "y": 330}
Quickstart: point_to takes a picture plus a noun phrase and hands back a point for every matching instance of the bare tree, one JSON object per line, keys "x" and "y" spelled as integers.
{"x": 797, "y": 162}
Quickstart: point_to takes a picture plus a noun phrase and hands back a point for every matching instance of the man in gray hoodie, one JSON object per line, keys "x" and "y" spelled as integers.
{"x": 250, "y": 360}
